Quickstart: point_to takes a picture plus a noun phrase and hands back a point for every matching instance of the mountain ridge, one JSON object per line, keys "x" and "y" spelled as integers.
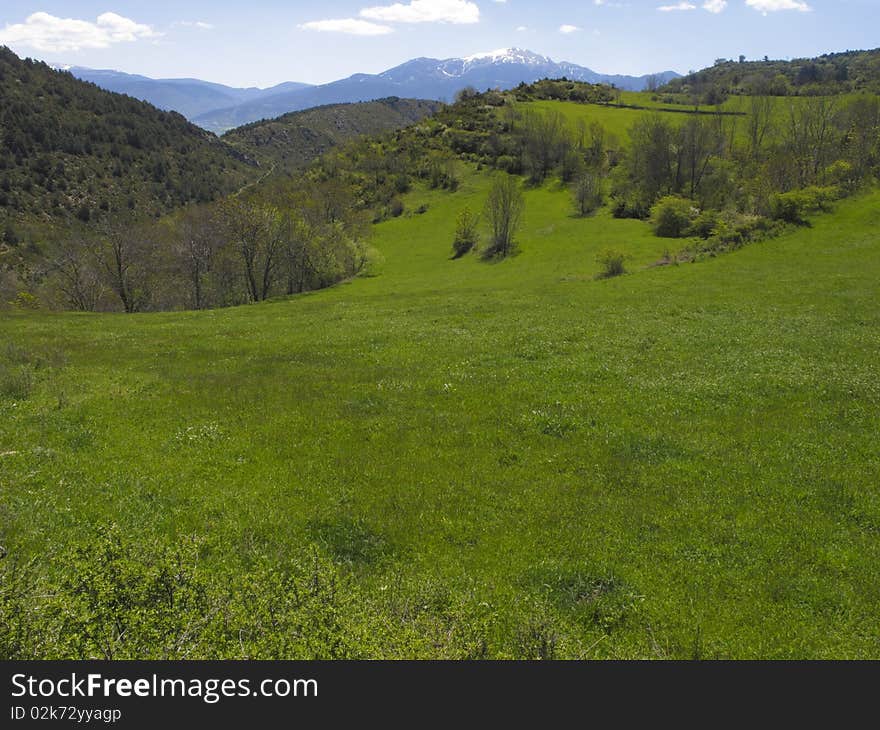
{"x": 220, "y": 108}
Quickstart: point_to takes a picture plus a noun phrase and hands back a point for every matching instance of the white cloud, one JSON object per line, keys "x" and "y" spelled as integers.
{"x": 425, "y": 11}
{"x": 522, "y": 28}
{"x": 771, "y": 6}
{"x": 51, "y": 34}
{"x": 677, "y": 6}
{"x": 194, "y": 24}
{"x": 350, "y": 26}
{"x": 715, "y": 6}
{"x": 566, "y": 29}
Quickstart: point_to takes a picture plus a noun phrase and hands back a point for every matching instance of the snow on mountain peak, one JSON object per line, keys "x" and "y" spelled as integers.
{"x": 508, "y": 55}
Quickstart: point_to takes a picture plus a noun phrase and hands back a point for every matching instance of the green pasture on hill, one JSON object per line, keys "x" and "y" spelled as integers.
{"x": 508, "y": 459}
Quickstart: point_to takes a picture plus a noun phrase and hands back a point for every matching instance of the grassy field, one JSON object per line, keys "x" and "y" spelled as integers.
{"x": 495, "y": 459}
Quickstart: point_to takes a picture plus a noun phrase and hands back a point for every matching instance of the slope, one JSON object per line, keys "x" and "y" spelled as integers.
{"x": 72, "y": 151}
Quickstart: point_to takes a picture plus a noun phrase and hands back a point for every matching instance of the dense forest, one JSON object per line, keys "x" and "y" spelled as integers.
{"x": 834, "y": 73}
{"x": 71, "y": 151}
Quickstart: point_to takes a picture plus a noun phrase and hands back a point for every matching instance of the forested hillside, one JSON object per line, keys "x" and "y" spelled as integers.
{"x": 294, "y": 140}
{"x": 71, "y": 151}
{"x": 835, "y": 73}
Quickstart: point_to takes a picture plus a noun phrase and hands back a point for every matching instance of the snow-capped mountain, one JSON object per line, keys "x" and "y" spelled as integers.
{"x": 423, "y": 78}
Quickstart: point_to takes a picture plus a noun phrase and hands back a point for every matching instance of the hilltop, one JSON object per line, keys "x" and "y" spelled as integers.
{"x": 294, "y": 140}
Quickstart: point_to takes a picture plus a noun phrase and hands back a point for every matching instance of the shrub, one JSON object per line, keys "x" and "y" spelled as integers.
{"x": 792, "y": 207}
{"x": 672, "y": 216}
{"x": 612, "y": 263}
{"x": 25, "y": 300}
{"x": 629, "y": 207}
{"x": 509, "y": 164}
{"x": 705, "y": 224}
{"x": 395, "y": 208}
{"x": 466, "y": 233}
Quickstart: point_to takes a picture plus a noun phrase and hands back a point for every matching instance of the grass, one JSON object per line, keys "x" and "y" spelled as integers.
{"x": 507, "y": 459}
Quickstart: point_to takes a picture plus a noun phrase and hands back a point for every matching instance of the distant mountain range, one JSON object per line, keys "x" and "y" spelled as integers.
{"x": 220, "y": 108}
{"x": 190, "y": 97}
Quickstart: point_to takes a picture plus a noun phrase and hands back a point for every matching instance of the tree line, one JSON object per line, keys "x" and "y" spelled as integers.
{"x": 245, "y": 249}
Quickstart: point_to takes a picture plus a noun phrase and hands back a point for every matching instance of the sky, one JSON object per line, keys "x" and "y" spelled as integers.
{"x": 265, "y": 42}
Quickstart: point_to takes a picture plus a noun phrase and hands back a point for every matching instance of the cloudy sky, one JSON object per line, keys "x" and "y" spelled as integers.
{"x": 263, "y": 42}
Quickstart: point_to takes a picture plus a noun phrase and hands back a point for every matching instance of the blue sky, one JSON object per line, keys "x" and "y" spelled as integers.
{"x": 264, "y": 42}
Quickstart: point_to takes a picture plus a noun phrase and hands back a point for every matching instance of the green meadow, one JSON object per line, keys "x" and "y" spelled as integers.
{"x": 508, "y": 459}
{"x": 680, "y": 462}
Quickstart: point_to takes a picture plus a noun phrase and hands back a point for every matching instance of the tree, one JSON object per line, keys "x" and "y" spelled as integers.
{"x": 760, "y": 121}
{"x": 253, "y": 229}
{"x": 652, "y": 161}
{"x": 504, "y": 208}
{"x": 588, "y": 193}
{"x": 195, "y": 249}
{"x": 76, "y": 277}
{"x": 123, "y": 254}
{"x": 809, "y": 138}
{"x": 545, "y": 142}
{"x": 700, "y": 139}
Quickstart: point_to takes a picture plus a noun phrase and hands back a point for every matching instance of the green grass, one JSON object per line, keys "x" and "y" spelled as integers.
{"x": 508, "y": 459}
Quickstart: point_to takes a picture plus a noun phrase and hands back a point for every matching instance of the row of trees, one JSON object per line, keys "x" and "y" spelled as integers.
{"x": 725, "y": 161}
{"x": 239, "y": 251}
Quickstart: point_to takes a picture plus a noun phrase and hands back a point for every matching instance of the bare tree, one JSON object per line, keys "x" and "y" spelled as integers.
{"x": 76, "y": 276}
{"x": 504, "y": 208}
{"x": 760, "y": 122}
{"x": 124, "y": 253}
{"x": 195, "y": 248}
{"x": 809, "y": 137}
{"x": 253, "y": 229}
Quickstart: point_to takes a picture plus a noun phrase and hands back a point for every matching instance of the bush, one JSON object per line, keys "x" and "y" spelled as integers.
{"x": 466, "y": 233}
{"x": 629, "y": 207}
{"x": 395, "y": 208}
{"x": 509, "y": 164}
{"x": 705, "y": 224}
{"x": 612, "y": 263}
{"x": 672, "y": 216}
{"x": 792, "y": 207}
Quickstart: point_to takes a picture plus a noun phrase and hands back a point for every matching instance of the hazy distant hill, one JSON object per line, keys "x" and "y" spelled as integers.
{"x": 422, "y": 78}
{"x": 190, "y": 97}
{"x": 295, "y": 139}
{"x": 69, "y": 149}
